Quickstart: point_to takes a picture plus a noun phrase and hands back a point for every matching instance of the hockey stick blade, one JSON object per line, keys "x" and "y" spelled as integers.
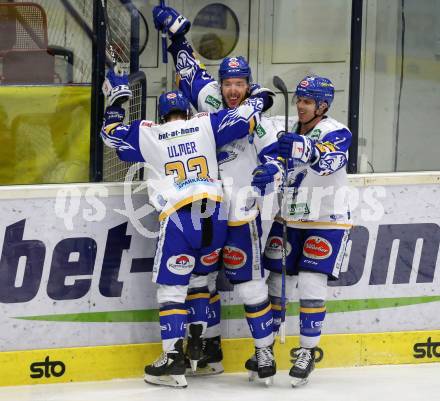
{"x": 279, "y": 84}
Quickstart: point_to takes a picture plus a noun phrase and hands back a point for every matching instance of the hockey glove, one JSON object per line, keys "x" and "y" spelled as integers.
{"x": 115, "y": 87}
{"x": 266, "y": 94}
{"x": 268, "y": 177}
{"x": 113, "y": 115}
{"x": 298, "y": 147}
{"x": 169, "y": 19}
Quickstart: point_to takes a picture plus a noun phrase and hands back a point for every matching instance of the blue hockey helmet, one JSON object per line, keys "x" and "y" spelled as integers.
{"x": 172, "y": 101}
{"x": 319, "y": 89}
{"x": 234, "y": 67}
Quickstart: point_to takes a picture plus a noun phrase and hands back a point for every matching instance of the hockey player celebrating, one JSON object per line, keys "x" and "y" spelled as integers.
{"x": 314, "y": 209}
{"x": 185, "y": 188}
{"x": 237, "y": 160}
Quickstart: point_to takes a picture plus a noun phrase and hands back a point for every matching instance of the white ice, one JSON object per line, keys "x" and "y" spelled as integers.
{"x": 371, "y": 383}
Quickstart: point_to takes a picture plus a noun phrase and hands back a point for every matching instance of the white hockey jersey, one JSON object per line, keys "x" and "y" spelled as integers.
{"x": 322, "y": 200}
{"x": 237, "y": 159}
{"x": 181, "y": 155}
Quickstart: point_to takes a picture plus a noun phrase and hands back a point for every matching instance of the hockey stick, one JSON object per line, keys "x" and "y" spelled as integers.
{"x": 164, "y": 38}
{"x": 109, "y": 32}
{"x": 113, "y": 62}
{"x": 281, "y": 86}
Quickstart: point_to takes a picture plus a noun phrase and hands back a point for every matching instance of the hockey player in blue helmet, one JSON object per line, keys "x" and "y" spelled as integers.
{"x": 235, "y": 79}
{"x": 185, "y": 188}
{"x": 316, "y": 152}
{"x": 314, "y": 96}
{"x": 241, "y": 254}
{"x": 173, "y": 105}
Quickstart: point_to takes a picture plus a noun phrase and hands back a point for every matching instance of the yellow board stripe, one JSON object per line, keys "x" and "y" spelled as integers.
{"x": 197, "y": 296}
{"x": 276, "y": 307}
{"x": 259, "y": 313}
{"x": 214, "y": 299}
{"x": 104, "y": 362}
{"x": 312, "y": 310}
{"x": 173, "y": 312}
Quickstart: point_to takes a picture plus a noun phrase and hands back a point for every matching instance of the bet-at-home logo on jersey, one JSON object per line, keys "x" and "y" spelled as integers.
{"x": 213, "y": 101}
{"x": 299, "y": 209}
{"x": 260, "y": 131}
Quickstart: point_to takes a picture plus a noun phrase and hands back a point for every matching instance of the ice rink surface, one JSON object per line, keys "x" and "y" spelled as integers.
{"x": 371, "y": 383}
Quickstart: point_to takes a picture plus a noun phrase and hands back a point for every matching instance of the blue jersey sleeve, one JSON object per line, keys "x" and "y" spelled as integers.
{"x": 192, "y": 76}
{"x": 231, "y": 124}
{"x": 123, "y": 138}
{"x": 333, "y": 152}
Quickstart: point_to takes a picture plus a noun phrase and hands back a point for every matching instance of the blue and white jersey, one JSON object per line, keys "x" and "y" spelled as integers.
{"x": 322, "y": 198}
{"x": 180, "y": 156}
{"x": 237, "y": 159}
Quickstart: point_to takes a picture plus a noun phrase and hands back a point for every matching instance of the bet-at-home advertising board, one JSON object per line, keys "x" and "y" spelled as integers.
{"x": 77, "y": 301}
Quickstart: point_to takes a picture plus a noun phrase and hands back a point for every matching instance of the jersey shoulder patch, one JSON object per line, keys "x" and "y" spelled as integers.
{"x": 147, "y": 123}
{"x": 212, "y": 101}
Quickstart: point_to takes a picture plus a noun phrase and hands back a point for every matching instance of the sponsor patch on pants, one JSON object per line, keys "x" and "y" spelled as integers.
{"x": 317, "y": 248}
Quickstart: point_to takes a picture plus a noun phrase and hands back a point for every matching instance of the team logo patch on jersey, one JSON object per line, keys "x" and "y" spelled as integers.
{"x": 233, "y": 257}
{"x": 181, "y": 264}
{"x": 304, "y": 83}
{"x": 317, "y": 248}
{"x": 171, "y": 96}
{"x": 212, "y": 258}
{"x": 274, "y": 246}
{"x": 233, "y": 63}
{"x": 211, "y": 100}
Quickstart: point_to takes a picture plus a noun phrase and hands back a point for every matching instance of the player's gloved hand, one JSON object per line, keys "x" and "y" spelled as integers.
{"x": 268, "y": 177}
{"x": 266, "y": 94}
{"x": 113, "y": 114}
{"x": 298, "y": 147}
{"x": 115, "y": 87}
{"x": 169, "y": 19}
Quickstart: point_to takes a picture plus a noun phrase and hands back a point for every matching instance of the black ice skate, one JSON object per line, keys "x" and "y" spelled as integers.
{"x": 252, "y": 366}
{"x": 211, "y": 361}
{"x": 168, "y": 369}
{"x": 262, "y": 363}
{"x": 304, "y": 365}
{"x": 194, "y": 348}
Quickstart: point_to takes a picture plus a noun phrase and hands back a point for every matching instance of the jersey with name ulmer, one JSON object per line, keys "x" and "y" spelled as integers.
{"x": 180, "y": 156}
{"x": 181, "y": 163}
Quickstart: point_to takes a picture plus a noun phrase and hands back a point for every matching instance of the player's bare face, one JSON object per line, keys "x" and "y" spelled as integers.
{"x": 306, "y": 109}
{"x": 234, "y": 91}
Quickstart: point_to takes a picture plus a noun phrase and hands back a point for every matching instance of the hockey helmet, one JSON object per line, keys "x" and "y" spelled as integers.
{"x": 234, "y": 67}
{"x": 319, "y": 89}
{"x": 172, "y": 101}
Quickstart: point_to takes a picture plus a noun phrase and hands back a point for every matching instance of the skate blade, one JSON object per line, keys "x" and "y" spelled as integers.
{"x": 214, "y": 368}
{"x": 193, "y": 363}
{"x": 297, "y": 382}
{"x": 268, "y": 381}
{"x": 253, "y": 376}
{"x": 167, "y": 380}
